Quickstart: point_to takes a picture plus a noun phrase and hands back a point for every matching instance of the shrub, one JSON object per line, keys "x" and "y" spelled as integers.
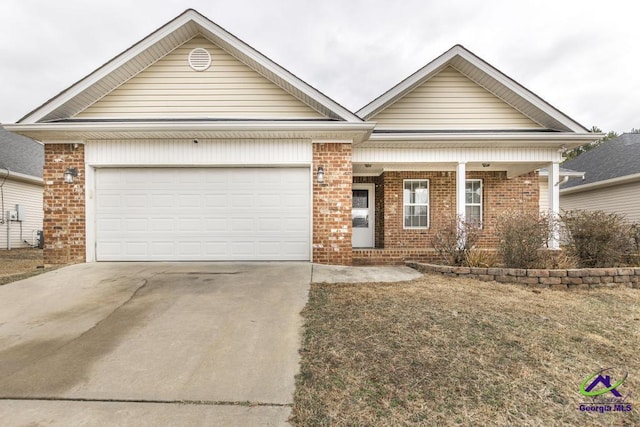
{"x": 447, "y": 246}
{"x": 521, "y": 237}
{"x": 599, "y": 239}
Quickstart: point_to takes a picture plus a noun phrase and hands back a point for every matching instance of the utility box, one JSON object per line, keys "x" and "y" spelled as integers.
{"x": 20, "y": 213}
{"x": 13, "y": 215}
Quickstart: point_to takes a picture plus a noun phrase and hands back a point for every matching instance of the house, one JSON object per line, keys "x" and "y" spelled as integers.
{"x": 191, "y": 145}
{"x": 21, "y": 186}
{"x": 612, "y": 178}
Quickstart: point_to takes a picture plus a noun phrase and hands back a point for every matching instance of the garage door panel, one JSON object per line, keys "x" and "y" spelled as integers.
{"x": 168, "y": 214}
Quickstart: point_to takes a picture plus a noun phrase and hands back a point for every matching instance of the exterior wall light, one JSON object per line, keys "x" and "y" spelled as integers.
{"x": 320, "y": 175}
{"x": 70, "y": 174}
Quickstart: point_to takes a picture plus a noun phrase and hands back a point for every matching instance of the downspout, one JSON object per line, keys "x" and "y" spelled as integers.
{"x": 2, "y": 208}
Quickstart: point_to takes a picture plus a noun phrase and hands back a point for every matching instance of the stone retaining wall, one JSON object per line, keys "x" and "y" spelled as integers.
{"x": 578, "y": 278}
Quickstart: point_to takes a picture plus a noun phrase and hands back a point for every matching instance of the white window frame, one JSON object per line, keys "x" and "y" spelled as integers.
{"x": 474, "y": 204}
{"x": 405, "y": 204}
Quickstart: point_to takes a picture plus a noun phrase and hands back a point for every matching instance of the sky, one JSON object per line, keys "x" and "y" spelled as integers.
{"x": 580, "y": 56}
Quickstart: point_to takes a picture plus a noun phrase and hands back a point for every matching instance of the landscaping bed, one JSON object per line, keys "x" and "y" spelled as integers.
{"x": 456, "y": 351}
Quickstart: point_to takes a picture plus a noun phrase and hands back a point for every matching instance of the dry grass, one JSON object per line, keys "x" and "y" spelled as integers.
{"x": 18, "y": 264}
{"x": 440, "y": 351}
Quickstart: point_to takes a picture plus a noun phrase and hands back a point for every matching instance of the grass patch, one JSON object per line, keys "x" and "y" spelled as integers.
{"x": 450, "y": 351}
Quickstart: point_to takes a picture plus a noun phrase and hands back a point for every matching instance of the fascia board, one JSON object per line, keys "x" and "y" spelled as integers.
{"x": 17, "y": 176}
{"x": 72, "y": 132}
{"x": 601, "y": 184}
{"x": 501, "y": 136}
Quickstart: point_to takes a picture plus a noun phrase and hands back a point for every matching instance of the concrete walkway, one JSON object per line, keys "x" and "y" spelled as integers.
{"x": 152, "y": 344}
{"x": 341, "y": 274}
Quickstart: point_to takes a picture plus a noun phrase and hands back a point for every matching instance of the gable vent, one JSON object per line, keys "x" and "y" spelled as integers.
{"x": 199, "y": 59}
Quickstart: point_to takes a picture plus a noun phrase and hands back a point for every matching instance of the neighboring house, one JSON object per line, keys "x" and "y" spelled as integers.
{"x": 21, "y": 161}
{"x": 191, "y": 145}
{"x": 564, "y": 175}
{"x": 612, "y": 178}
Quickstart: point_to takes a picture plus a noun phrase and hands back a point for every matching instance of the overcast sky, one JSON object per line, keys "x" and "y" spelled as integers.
{"x": 583, "y": 57}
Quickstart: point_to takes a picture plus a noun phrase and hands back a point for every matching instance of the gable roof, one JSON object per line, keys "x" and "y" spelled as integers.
{"x": 612, "y": 159}
{"x": 19, "y": 154}
{"x": 159, "y": 43}
{"x": 486, "y": 76}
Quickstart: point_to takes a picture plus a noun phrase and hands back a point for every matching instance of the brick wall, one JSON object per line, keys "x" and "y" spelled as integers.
{"x": 64, "y": 205}
{"x": 332, "y": 204}
{"x": 499, "y": 194}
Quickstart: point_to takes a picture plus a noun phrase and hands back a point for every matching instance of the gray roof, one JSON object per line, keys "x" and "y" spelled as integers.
{"x": 20, "y": 154}
{"x": 611, "y": 159}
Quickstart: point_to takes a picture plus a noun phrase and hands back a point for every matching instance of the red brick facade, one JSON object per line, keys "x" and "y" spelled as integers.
{"x": 394, "y": 243}
{"x": 332, "y": 204}
{"x": 64, "y": 208}
{"x": 64, "y": 205}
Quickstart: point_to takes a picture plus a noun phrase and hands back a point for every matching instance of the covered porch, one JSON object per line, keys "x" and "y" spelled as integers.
{"x": 405, "y": 192}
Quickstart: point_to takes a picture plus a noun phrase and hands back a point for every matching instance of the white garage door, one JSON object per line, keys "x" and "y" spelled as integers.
{"x": 190, "y": 214}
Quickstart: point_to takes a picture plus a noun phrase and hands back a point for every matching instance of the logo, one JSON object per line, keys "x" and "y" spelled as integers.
{"x": 604, "y": 380}
{"x": 604, "y": 393}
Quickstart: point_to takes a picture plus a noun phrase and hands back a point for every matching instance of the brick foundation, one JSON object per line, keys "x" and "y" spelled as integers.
{"x": 64, "y": 205}
{"x": 332, "y": 204}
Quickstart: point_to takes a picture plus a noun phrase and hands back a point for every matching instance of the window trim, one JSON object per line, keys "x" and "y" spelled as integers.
{"x": 405, "y": 205}
{"x": 475, "y": 204}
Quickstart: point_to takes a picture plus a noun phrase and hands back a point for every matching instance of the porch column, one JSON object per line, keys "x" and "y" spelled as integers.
{"x": 554, "y": 204}
{"x": 461, "y": 177}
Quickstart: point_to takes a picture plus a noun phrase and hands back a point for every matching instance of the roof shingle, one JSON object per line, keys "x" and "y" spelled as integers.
{"x": 20, "y": 154}
{"x": 611, "y": 159}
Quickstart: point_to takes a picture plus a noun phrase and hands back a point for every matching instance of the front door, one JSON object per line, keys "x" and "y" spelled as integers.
{"x": 362, "y": 215}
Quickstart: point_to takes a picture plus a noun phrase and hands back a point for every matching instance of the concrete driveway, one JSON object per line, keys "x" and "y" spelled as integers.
{"x": 152, "y": 344}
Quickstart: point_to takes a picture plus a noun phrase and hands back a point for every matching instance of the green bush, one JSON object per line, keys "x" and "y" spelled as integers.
{"x": 600, "y": 239}
{"x": 521, "y": 238}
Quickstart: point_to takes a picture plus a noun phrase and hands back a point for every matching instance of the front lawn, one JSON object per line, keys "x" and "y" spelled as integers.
{"x": 448, "y": 351}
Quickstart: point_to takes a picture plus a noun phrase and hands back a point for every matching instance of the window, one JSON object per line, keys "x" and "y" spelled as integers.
{"x": 473, "y": 202}
{"x": 416, "y": 203}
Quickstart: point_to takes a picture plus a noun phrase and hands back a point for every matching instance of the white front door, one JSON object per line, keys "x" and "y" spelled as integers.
{"x": 362, "y": 215}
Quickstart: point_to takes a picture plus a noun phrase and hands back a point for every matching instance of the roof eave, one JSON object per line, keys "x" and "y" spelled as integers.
{"x": 66, "y": 132}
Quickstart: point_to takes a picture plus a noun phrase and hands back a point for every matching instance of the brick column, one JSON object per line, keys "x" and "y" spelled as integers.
{"x": 64, "y": 205}
{"x": 332, "y": 204}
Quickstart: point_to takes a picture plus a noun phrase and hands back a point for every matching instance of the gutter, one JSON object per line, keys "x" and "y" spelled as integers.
{"x": 601, "y": 184}
{"x": 16, "y": 176}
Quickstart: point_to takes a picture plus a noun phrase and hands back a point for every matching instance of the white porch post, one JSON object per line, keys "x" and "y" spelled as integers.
{"x": 554, "y": 204}
{"x": 461, "y": 178}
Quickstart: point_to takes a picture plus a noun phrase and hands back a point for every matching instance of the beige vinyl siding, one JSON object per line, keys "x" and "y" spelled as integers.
{"x": 623, "y": 199}
{"x": 450, "y": 100}
{"x": 30, "y": 197}
{"x": 228, "y": 89}
{"x": 543, "y": 200}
